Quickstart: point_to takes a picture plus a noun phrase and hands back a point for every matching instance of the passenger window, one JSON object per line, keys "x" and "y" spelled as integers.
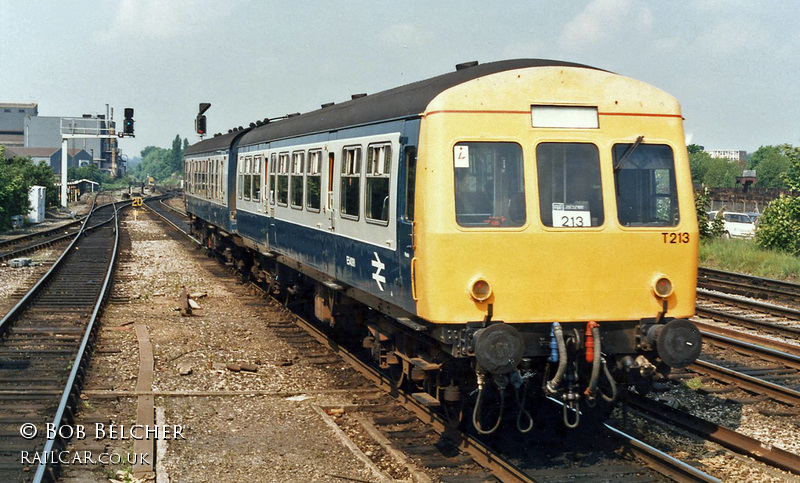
{"x": 351, "y": 182}
{"x": 257, "y": 178}
{"x": 241, "y": 178}
{"x": 248, "y": 177}
{"x": 489, "y": 185}
{"x": 644, "y": 175}
{"x": 283, "y": 179}
{"x": 379, "y": 160}
{"x": 298, "y": 159}
{"x": 314, "y": 180}
{"x": 570, "y": 193}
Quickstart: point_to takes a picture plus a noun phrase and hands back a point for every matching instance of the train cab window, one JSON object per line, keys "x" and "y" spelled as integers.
{"x": 351, "y": 182}
{"x": 644, "y": 175}
{"x": 283, "y": 179}
{"x": 570, "y": 193}
{"x": 489, "y": 184}
{"x": 257, "y": 178}
{"x": 298, "y": 160}
{"x": 379, "y": 163}
{"x": 271, "y": 185}
{"x": 314, "y": 180}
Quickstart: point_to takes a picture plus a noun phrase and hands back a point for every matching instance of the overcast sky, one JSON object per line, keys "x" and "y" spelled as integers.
{"x": 733, "y": 65}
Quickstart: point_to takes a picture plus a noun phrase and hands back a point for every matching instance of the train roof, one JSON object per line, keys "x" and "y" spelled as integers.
{"x": 400, "y": 102}
{"x": 216, "y": 143}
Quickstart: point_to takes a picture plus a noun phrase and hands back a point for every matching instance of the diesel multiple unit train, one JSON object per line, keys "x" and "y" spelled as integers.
{"x": 493, "y": 235}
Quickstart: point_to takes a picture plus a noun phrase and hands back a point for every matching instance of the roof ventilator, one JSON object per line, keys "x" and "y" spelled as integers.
{"x": 466, "y": 65}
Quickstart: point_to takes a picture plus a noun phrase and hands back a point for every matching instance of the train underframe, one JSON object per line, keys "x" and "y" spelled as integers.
{"x": 487, "y": 374}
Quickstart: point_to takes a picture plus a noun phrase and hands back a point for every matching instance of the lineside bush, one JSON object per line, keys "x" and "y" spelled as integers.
{"x": 709, "y": 229}
{"x": 779, "y": 226}
{"x": 17, "y": 175}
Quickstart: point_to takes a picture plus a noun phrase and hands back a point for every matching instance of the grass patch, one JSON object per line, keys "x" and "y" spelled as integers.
{"x": 694, "y": 383}
{"x": 744, "y": 256}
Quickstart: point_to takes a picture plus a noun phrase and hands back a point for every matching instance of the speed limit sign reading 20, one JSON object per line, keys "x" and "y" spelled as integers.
{"x": 137, "y": 201}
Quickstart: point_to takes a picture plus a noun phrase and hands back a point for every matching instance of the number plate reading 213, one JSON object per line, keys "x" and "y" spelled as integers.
{"x": 675, "y": 238}
{"x": 571, "y": 215}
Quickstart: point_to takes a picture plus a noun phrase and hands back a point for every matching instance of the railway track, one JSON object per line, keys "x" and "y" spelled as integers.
{"x": 45, "y": 344}
{"x": 764, "y": 317}
{"x": 778, "y": 380}
{"x": 709, "y": 431}
{"x": 496, "y": 464}
{"x": 173, "y": 216}
{"x": 16, "y": 247}
{"x": 748, "y": 286}
{"x": 25, "y": 244}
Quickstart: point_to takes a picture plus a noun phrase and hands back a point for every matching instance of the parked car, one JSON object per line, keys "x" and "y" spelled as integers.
{"x": 736, "y": 224}
{"x": 754, "y": 216}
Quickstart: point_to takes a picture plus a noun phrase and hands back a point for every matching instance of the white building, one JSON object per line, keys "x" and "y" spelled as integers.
{"x": 729, "y": 154}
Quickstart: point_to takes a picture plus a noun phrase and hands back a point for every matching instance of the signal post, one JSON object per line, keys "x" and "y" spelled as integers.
{"x": 88, "y": 128}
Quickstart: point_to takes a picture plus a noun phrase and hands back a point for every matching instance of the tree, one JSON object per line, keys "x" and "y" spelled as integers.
{"x": 761, "y": 154}
{"x": 769, "y": 162}
{"x": 791, "y": 178}
{"x": 162, "y": 164}
{"x": 721, "y": 173}
{"x": 713, "y": 172}
{"x": 770, "y": 171}
{"x": 17, "y": 175}
{"x": 698, "y": 163}
{"x": 90, "y": 172}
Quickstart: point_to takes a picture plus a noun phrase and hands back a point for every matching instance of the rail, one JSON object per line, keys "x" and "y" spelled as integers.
{"x": 48, "y": 293}
{"x": 728, "y": 438}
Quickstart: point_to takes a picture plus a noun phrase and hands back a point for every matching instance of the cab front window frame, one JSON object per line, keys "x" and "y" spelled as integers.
{"x": 489, "y": 184}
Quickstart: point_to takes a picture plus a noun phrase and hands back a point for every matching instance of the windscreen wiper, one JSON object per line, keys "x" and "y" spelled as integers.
{"x": 627, "y": 154}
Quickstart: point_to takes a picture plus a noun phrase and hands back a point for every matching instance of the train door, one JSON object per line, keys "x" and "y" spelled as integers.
{"x": 271, "y": 189}
{"x": 331, "y": 202}
{"x": 266, "y": 188}
{"x": 232, "y": 184}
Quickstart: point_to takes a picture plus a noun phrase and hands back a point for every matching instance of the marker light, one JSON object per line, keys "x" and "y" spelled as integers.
{"x": 480, "y": 290}
{"x": 663, "y": 287}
